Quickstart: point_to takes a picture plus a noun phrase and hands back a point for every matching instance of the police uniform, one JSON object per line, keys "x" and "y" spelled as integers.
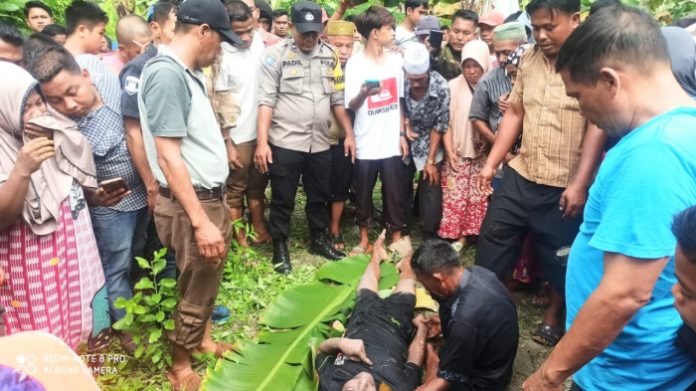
{"x": 301, "y": 88}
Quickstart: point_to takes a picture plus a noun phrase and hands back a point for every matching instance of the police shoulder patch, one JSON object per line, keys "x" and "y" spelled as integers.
{"x": 131, "y": 84}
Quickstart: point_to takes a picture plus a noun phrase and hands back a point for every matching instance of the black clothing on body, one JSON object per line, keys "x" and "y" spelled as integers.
{"x": 315, "y": 169}
{"x": 519, "y": 206}
{"x": 479, "y": 325}
{"x": 385, "y": 327}
{"x": 130, "y": 81}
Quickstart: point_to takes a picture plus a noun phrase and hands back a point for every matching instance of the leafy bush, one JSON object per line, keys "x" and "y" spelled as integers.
{"x": 147, "y": 313}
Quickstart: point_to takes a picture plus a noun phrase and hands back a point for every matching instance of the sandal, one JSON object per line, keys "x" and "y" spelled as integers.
{"x": 192, "y": 382}
{"x": 548, "y": 335}
{"x": 337, "y": 242}
{"x": 360, "y": 250}
{"x": 99, "y": 341}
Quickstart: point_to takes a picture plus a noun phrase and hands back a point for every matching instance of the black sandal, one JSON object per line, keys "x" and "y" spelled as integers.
{"x": 548, "y": 335}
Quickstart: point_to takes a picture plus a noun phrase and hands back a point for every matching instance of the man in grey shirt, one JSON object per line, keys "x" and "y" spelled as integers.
{"x": 485, "y": 113}
{"x": 187, "y": 155}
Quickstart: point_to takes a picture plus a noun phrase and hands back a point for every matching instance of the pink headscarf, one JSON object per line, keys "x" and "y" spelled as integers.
{"x": 50, "y": 184}
{"x": 462, "y": 95}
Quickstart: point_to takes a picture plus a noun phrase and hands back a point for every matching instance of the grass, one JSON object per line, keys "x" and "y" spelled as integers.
{"x": 249, "y": 285}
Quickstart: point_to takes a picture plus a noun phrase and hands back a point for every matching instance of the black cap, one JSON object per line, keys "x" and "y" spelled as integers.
{"x": 306, "y": 17}
{"x": 210, "y": 12}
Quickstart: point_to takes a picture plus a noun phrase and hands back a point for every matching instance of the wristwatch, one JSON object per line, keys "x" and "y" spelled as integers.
{"x": 431, "y": 161}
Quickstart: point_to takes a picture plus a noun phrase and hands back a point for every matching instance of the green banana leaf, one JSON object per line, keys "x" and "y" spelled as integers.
{"x": 282, "y": 359}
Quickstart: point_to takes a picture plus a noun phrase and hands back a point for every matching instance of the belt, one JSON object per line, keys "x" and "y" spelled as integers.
{"x": 201, "y": 193}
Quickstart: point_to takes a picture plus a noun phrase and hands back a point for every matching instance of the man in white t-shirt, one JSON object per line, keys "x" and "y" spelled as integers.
{"x": 374, "y": 89}
{"x": 415, "y": 10}
{"x": 235, "y": 99}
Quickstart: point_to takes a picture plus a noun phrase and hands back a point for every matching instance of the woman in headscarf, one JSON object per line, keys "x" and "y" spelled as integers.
{"x": 463, "y": 207}
{"x": 682, "y": 51}
{"x": 53, "y": 275}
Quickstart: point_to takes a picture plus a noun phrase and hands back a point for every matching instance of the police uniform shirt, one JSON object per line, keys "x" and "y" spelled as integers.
{"x": 130, "y": 82}
{"x": 301, "y": 88}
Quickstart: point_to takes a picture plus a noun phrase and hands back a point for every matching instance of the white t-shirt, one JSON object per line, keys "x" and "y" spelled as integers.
{"x": 378, "y": 121}
{"x": 240, "y": 73}
{"x": 404, "y": 36}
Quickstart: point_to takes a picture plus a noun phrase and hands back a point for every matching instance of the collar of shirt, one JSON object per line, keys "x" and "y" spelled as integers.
{"x": 196, "y": 74}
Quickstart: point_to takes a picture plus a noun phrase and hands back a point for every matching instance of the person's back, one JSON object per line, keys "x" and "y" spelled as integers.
{"x": 484, "y": 308}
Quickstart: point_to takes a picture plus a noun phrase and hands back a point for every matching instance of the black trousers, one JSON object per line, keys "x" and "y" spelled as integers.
{"x": 391, "y": 174}
{"x": 517, "y": 206}
{"x": 429, "y": 199}
{"x": 341, "y": 173}
{"x": 285, "y": 173}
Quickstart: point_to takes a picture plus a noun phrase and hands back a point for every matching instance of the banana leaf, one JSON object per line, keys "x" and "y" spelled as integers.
{"x": 282, "y": 358}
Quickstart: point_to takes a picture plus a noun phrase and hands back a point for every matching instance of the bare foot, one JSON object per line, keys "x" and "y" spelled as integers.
{"x": 262, "y": 237}
{"x": 184, "y": 378}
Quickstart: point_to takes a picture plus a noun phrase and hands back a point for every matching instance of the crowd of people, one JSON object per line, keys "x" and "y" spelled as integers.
{"x": 560, "y": 148}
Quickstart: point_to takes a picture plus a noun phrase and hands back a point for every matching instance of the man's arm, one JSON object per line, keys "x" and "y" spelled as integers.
{"x": 484, "y": 130}
{"x": 357, "y": 101}
{"x": 430, "y": 171}
{"x": 354, "y": 349}
{"x": 479, "y": 112}
{"x": 263, "y": 155}
{"x": 416, "y": 351}
{"x": 268, "y": 97}
{"x": 505, "y": 138}
{"x": 136, "y": 148}
{"x": 575, "y": 195}
{"x": 211, "y": 244}
{"x": 344, "y": 120}
{"x": 626, "y": 286}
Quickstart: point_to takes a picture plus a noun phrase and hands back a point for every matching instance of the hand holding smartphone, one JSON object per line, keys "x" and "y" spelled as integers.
{"x": 112, "y": 185}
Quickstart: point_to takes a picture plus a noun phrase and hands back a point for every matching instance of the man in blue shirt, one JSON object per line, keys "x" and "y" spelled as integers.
{"x": 620, "y": 310}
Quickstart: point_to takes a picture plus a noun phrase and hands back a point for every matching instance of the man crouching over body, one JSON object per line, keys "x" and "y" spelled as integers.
{"x": 477, "y": 317}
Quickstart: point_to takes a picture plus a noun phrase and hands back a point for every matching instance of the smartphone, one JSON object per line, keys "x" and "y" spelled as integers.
{"x": 372, "y": 84}
{"x": 435, "y": 39}
{"x": 112, "y": 185}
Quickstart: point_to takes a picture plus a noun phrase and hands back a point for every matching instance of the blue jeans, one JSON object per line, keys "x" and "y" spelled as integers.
{"x": 115, "y": 231}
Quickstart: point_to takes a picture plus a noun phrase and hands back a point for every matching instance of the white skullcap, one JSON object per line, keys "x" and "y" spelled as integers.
{"x": 416, "y": 59}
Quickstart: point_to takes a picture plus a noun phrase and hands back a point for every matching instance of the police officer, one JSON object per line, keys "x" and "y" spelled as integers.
{"x": 300, "y": 87}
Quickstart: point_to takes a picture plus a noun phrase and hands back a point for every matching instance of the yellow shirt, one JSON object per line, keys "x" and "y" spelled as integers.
{"x": 553, "y": 128}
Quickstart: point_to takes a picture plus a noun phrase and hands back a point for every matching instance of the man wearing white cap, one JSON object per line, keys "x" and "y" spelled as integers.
{"x": 427, "y": 117}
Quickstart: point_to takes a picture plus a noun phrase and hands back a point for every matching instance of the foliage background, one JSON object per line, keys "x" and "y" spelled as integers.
{"x": 12, "y": 10}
